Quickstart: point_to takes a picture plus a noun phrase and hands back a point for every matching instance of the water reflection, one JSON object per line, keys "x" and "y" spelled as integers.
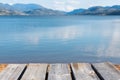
{"x": 86, "y": 41}
{"x": 113, "y": 48}
{"x": 61, "y": 33}
{"x": 104, "y": 42}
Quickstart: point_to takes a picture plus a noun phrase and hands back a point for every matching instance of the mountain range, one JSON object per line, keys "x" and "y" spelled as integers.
{"x": 27, "y": 9}
{"x": 38, "y": 10}
{"x": 97, "y": 10}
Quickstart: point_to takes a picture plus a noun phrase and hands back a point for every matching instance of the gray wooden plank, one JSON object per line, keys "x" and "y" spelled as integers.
{"x": 83, "y": 71}
{"x": 35, "y": 72}
{"x": 12, "y": 72}
{"x": 107, "y": 71}
{"x": 59, "y": 72}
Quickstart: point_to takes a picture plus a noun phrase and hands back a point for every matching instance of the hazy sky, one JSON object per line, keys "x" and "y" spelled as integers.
{"x": 66, "y": 5}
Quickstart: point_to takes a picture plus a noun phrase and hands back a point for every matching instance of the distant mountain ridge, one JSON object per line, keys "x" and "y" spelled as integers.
{"x": 27, "y": 9}
{"x": 97, "y": 10}
{"x": 38, "y": 10}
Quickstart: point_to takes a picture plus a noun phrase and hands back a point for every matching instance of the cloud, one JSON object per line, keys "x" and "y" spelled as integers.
{"x": 69, "y": 8}
{"x": 66, "y": 5}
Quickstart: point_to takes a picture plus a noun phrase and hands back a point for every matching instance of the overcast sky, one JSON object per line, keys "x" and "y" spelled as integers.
{"x": 66, "y": 5}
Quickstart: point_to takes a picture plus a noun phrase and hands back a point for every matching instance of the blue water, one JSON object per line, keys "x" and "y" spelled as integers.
{"x": 50, "y": 39}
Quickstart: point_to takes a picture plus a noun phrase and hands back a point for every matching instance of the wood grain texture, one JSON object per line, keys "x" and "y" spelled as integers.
{"x": 59, "y": 72}
{"x": 83, "y": 71}
{"x": 12, "y": 72}
{"x": 117, "y": 66}
{"x": 35, "y": 72}
{"x": 2, "y": 67}
{"x": 107, "y": 71}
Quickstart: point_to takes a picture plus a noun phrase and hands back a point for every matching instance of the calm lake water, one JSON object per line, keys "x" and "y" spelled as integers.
{"x": 59, "y": 39}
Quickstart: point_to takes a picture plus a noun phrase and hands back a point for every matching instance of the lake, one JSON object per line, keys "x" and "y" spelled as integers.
{"x": 52, "y": 39}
